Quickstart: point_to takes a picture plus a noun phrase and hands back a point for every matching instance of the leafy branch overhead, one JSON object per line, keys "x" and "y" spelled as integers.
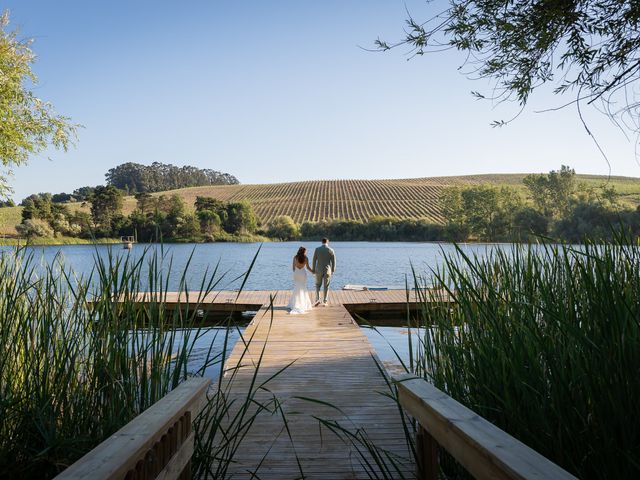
{"x": 589, "y": 47}
{"x": 28, "y": 124}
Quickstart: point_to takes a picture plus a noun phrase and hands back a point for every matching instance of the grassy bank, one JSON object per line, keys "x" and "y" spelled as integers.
{"x": 545, "y": 343}
{"x": 56, "y": 241}
{"x": 43, "y": 241}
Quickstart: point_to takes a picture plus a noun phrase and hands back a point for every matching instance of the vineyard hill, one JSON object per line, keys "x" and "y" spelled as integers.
{"x": 318, "y": 200}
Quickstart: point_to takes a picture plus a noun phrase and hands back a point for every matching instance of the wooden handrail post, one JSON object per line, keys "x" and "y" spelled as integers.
{"x": 427, "y": 450}
{"x": 157, "y": 444}
{"x": 485, "y": 451}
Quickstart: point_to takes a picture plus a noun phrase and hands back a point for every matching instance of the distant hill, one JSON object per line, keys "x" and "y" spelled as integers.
{"x": 349, "y": 199}
{"x": 361, "y": 199}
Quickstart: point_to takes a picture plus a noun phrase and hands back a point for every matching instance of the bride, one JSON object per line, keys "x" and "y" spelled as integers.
{"x": 300, "y": 302}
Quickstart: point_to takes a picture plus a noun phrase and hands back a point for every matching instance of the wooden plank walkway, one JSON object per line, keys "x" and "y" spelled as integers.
{"x": 230, "y": 299}
{"x": 331, "y": 361}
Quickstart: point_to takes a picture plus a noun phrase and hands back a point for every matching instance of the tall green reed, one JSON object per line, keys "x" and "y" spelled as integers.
{"x": 543, "y": 341}
{"x": 75, "y": 365}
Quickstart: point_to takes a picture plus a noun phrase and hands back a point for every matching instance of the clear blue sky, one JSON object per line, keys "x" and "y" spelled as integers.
{"x": 277, "y": 91}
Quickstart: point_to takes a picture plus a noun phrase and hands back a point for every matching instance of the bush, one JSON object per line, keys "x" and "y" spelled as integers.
{"x": 530, "y": 222}
{"x": 284, "y": 228}
{"x": 376, "y": 229}
{"x": 34, "y": 228}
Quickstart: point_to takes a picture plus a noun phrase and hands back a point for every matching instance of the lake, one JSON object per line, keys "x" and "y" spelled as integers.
{"x": 370, "y": 263}
{"x": 384, "y": 263}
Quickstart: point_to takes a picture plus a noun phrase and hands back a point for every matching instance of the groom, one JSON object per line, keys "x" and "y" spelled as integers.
{"x": 324, "y": 265}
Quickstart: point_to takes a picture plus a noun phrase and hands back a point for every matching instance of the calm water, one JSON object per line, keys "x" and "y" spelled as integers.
{"x": 370, "y": 263}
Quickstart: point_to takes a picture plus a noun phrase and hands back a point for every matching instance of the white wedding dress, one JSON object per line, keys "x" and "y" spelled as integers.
{"x": 299, "y": 302}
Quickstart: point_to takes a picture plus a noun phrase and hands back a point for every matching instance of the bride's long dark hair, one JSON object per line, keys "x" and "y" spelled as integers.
{"x": 301, "y": 256}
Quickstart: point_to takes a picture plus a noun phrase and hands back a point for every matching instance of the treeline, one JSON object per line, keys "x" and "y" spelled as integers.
{"x": 158, "y": 177}
{"x": 555, "y": 206}
{"x": 552, "y": 205}
{"x": 376, "y": 229}
{"x": 132, "y": 178}
{"x": 155, "y": 218}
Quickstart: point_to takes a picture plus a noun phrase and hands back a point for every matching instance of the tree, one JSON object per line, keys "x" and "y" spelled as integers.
{"x": 145, "y": 202}
{"x": 530, "y": 222}
{"x": 209, "y": 203}
{"x": 552, "y": 193}
{"x": 83, "y": 194}
{"x": 589, "y": 48}
{"x": 451, "y": 205}
{"x": 38, "y": 205}
{"x": 135, "y": 177}
{"x": 210, "y": 222}
{"x": 240, "y": 218}
{"x": 284, "y": 228}
{"x": 106, "y": 203}
{"x": 130, "y": 177}
{"x": 481, "y": 211}
{"x": 29, "y": 124}
{"x": 61, "y": 197}
{"x": 211, "y": 213}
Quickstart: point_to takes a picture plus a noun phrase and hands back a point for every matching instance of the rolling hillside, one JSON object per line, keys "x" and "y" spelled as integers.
{"x": 361, "y": 199}
{"x": 348, "y": 199}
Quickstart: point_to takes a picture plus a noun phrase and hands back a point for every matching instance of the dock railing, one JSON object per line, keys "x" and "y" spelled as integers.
{"x": 479, "y": 446}
{"x": 157, "y": 444}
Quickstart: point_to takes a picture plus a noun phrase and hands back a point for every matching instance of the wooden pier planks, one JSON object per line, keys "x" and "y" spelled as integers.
{"x": 333, "y": 363}
{"x": 258, "y": 298}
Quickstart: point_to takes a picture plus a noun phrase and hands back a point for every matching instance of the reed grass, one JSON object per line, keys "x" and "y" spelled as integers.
{"x": 543, "y": 341}
{"x": 75, "y": 366}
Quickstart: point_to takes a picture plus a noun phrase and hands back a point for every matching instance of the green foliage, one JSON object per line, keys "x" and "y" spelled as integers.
{"x": 83, "y": 194}
{"x": 552, "y": 193}
{"x": 377, "y": 229}
{"x": 594, "y": 220}
{"x": 145, "y": 202}
{"x": 37, "y": 206}
{"x": 62, "y": 197}
{"x": 560, "y": 207}
{"x": 284, "y": 228}
{"x": 33, "y": 227}
{"x": 56, "y": 217}
{"x": 482, "y": 211}
{"x": 29, "y": 125}
{"x": 544, "y": 342}
{"x": 160, "y": 218}
{"x": 590, "y": 48}
{"x": 240, "y": 218}
{"x": 211, "y": 214}
{"x": 136, "y": 178}
{"x": 166, "y": 218}
{"x": 106, "y": 204}
{"x": 70, "y": 374}
{"x": 529, "y": 223}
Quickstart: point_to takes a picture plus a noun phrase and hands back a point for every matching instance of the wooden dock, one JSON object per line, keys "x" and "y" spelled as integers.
{"x": 328, "y": 361}
{"x": 255, "y": 299}
{"x": 370, "y": 304}
{"x": 305, "y": 397}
